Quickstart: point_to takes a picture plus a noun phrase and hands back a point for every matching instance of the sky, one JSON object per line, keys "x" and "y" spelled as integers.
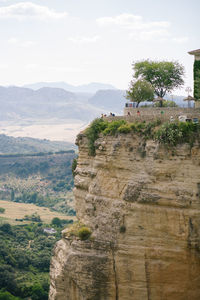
{"x": 82, "y": 41}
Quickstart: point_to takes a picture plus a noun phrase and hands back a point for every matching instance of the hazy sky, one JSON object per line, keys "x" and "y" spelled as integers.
{"x": 82, "y": 41}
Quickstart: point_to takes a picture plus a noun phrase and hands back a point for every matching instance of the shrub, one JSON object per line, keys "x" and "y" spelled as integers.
{"x": 7, "y": 296}
{"x": 140, "y": 126}
{"x": 112, "y": 127}
{"x": 177, "y": 133}
{"x": 92, "y": 133}
{"x": 6, "y": 227}
{"x": 122, "y": 229}
{"x": 2, "y": 210}
{"x": 84, "y": 233}
{"x": 57, "y": 222}
{"x": 74, "y": 165}
{"x": 133, "y": 127}
{"x": 168, "y": 134}
{"x": 125, "y": 128}
{"x": 34, "y": 217}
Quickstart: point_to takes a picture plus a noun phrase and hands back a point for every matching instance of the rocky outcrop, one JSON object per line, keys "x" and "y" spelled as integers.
{"x": 142, "y": 203}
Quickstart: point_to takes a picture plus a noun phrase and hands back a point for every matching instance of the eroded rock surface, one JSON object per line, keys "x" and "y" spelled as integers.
{"x": 142, "y": 203}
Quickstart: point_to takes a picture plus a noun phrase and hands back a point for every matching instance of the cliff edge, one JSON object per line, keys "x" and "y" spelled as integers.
{"x": 141, "y": 202}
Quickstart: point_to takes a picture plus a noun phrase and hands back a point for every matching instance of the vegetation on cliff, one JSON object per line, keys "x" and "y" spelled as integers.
{"x": 78, "y": 230}
{"x": 167, "y": 133}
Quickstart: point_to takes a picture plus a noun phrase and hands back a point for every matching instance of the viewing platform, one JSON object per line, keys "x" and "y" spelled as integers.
{"x": 149, "y": 114}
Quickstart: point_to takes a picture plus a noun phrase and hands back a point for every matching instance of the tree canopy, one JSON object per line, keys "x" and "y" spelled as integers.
{"x": 139, "y": 91}
{"x": 164, "y": 76}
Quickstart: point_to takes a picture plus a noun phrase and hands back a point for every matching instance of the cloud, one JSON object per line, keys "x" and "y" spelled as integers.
{"x": 32, "y": 66}
{"x": 180, "y": 40}
{"x": 131, "y": 22}
{"x": 27, "y": 10}
{"x": 140, "y": 30}
{"x": 150, "y": 35}
{"x": 3, "y": 66}
{"x": 84, "y": 40}
{"x": 13, "y": 41}
{"x": 18, "y": 42}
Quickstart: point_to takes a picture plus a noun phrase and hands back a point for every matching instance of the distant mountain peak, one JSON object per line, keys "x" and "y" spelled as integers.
{"x": 92, "y": 87}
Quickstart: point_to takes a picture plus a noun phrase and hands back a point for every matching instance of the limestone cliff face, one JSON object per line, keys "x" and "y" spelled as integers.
{"x": 142, "y": 203}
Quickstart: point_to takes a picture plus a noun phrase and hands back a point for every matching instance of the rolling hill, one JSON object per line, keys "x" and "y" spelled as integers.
{"x": 9, "y": 144}
{"x": 92, "y": 87}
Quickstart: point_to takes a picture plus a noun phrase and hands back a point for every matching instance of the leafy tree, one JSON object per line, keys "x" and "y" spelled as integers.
{"x": 139, "y": 91}
{"x": 8, "y": 279}
{"x": 6, "y": 227}
{"x": 164, "y": 76}
{"x": 57, "y": 222}
{"x": 38, "y": 293}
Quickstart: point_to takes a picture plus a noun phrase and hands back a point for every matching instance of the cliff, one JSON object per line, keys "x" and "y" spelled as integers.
{"x": 142, "y": 204}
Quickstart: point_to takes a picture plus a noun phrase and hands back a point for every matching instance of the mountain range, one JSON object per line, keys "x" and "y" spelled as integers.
{"x": 55, "y": 113}
{"x": 22, "y": 103}
{"x": 90, "y": 88}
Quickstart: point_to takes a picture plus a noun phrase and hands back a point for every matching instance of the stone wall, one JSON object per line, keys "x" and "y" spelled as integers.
{"x": 152, "y": 113}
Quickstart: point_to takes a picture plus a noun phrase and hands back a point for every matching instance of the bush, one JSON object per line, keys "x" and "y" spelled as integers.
{"x": 177, "y": 133}
{"x": 84, "y": 233}
{"x": 112, "y": 127}
{"x": 6, "y": 227}
{"x": 74, "y": 165}
{"x": 92, "y": 133}
{"x": 167, "y": 133}
{"x": 2, "y": 210}
{"x": 34, "y": 217}
{"x": 122, "y": 229}
{"x": 125, "y": 128}
{"x": 38, "y": 293}
{"x": 7, "y": 296}
{"x": 57, "y": 222}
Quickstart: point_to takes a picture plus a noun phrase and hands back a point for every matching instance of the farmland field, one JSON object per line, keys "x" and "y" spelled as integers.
{"x": 18, "y": 211}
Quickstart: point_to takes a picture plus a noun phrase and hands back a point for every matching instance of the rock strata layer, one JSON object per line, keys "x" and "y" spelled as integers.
{"x": 142, "y": 204}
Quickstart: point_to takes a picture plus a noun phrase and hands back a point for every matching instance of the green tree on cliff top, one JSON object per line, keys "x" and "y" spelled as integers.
{"x": 139, "y": 91}
{"x": 164, "y": 76}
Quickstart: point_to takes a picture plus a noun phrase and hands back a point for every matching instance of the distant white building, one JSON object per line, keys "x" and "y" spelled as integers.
{"x": 50, "y": 230}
